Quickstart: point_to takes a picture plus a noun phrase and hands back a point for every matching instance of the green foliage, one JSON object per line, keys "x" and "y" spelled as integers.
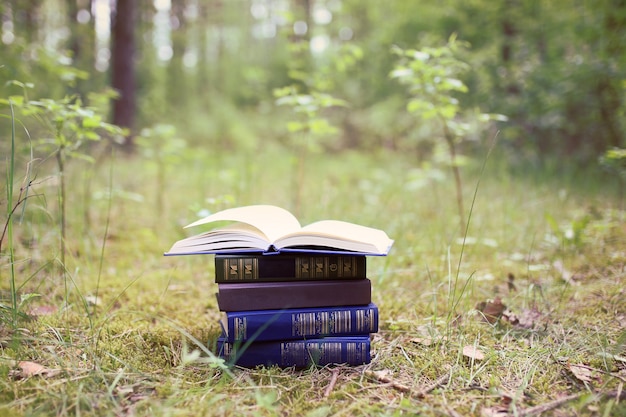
{"x": 67, "y": 124}
{"x": 310, "y": 123}
{"x": 615, "y": 160}
{"x": 570, "y": 235}
{"x": 308, "y": 98}
{"x": 151, "y": 347}
{"x": 433, "y": 78}
{"x": 161, "y": 145}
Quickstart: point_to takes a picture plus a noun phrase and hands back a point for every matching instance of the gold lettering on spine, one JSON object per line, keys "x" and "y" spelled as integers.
{"x": 230, "y": 270}
{"x": 293, "y": 353}
{"x": 303, "y": 267}
{"x": 351, "y": 355}
{"x": 240, "y": 268}
{"x": 240, "y": 325}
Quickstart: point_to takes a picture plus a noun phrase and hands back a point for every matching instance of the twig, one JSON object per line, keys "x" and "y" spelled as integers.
{"x": 332, "y": 383}
{"x": 440, "y": 381}
{"x": 617, "y": 394}
{"x": 451, "y": 412}
{"x": 381, "y": 377}
{"x": 542, "y": 408}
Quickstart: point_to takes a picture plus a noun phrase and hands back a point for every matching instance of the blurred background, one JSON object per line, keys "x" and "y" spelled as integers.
{"x": 214, "y": 70}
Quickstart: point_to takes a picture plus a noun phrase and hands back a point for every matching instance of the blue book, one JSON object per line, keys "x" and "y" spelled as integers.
{"x": 297, "y": 353}
{"x": 299, "y": 323}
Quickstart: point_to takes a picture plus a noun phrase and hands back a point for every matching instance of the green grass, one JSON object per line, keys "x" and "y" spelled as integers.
{"x": 144, "y": 347}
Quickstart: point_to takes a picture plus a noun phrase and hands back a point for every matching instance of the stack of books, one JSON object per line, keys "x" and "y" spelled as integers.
{"x": 291, "y": 295}
{"x": 295, "y": 309}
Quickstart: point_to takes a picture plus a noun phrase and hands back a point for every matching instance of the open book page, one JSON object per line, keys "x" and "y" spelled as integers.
{"x": 272, "y": 221}
{"x": 235, "y": 236}
{"x": 339, "y": 234}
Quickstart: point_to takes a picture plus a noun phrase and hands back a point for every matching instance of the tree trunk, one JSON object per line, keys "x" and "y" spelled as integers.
{"x": 610, "y": 88}
{"x": 178, "y": 91}
{"x": 123, "y": 66}
{"x": 82, "y": 44}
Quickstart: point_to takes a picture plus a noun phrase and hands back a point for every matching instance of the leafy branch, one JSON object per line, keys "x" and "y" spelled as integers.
{"x": 433, "y": 78}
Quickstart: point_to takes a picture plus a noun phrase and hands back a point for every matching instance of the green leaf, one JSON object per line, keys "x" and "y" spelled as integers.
{"x": 81, "y": 156}
{"x": 294, "y": 127}
{"x": 92, "y": 121}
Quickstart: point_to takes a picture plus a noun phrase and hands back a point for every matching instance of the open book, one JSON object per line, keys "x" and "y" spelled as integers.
{"x": 266, "y": 228}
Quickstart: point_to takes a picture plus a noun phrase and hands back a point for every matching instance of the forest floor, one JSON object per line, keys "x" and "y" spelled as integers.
{"x": 522, "y": 314}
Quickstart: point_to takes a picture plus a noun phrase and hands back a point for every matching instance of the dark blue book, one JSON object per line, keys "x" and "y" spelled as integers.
{"x": 297, "y": 353}
{"x": 299, "y": 323}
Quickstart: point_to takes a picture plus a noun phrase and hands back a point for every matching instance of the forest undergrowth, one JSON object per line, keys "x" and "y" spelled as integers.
{"x": 523, "y": 313}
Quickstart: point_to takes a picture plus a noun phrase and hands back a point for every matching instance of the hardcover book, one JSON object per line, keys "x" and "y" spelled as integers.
{"x": 293, "y": 294}
{"x": 285, "y": 267}
{"x": 263, "y": 325}
{"x": 266, "y": 228}
{"x": 298, "y": 353}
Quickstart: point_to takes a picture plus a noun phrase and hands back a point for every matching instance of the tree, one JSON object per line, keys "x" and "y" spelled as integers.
{"x": 123, "y": 67}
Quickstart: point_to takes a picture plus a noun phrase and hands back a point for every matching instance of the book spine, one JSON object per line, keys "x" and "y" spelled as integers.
{"x": 282, "y": 295}
{"x": 298, "y": 353}
{"x": 301, "y": 323}
{"x": 253, "y": 268}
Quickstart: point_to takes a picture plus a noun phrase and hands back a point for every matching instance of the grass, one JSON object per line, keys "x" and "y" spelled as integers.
{"x": 143, "y": 346}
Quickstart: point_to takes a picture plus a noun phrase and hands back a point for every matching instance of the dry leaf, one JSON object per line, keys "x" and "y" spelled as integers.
{"x": 492, "y": 309}
{"x": 581, "y": 372}
{"x": 473, "y": 353}
{"x": 92, "y": 300}
{"x": 424, "y": 341}
{"x": 28, "y": 369}
{"x": 511, "y": 317}
{"x": 42, "y": 311}
{"x": 529, "y": 318}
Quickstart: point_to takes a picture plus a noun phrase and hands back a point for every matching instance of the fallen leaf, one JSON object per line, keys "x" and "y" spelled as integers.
{"x": 424, "y": 341}
{"x": 581, "y": 373}
{"x": 529, "y": 318}
{"x": 511, "y": 317}
{"x": 44, "y": 310}
{"x": 29, "y": 369}
{"x": 92, "y": 300}
{"x": 492, "y": 309}
{"x": 473, "y": 353}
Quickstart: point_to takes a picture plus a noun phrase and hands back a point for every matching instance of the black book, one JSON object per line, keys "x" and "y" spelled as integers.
{"x": 288, "y": 267}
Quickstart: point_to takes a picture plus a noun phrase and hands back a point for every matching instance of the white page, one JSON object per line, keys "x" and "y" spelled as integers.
{"x": 273, "y": 221}
{"x": 349, "y": 232}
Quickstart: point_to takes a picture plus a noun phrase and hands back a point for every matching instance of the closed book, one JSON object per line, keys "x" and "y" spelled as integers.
{"x": 297, "y": 353}
{"x": 301, "y": 323}
{"x": 292, "y": 294}
{"x": 285, "y": 267}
